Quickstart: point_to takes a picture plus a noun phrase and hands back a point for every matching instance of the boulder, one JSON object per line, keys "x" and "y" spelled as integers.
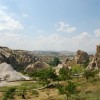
{"x": 7, "y": 73}
{"x": 81, "y": 57}
{"x": 36, "y": 66}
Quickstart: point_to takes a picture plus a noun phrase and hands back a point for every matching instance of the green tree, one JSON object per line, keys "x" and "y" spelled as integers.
{"x": 47, "y": 75}
{"x": 65, "y": 74}
{"x": 69, "y": 89}
{"x": 55, "y": 62}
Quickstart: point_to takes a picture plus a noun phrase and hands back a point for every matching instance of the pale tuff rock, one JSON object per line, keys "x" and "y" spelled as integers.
{"x": 29, "y": 68}
{"x": 36, "y": 66}
{"x": 9, "y": 74}
{"x": 57, "y": 69}
{"x": 80, "y": 58}
{"x": 18, "y": 59}
{"x": 95, "y": 63}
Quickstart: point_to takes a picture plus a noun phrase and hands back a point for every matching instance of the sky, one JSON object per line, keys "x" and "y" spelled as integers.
{"x": 50, "y": 24}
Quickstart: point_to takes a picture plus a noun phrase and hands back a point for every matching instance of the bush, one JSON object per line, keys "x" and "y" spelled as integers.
{"x": 76, "y": 69}
{"x": 9, "y": 94}
{"x": 65, "y": 74}
{"x": 89, "y": 73}
{"x": 35, "y": 93}
{"x": 69, "y": 89}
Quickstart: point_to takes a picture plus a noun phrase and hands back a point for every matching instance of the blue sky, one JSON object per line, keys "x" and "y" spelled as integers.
{"x": 50, "y": 24}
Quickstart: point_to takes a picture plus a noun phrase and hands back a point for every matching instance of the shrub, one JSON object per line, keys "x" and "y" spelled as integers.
{"x": 89, "y": 73}
{"x": 35, "y": 93}
{"x": 76, "y": 69}
{"x": 65, "y": 74}
{"x": 9, "y": 94}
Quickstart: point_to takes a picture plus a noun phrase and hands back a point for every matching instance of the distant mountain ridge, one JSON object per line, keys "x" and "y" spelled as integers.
{"x": 54, "y": 53}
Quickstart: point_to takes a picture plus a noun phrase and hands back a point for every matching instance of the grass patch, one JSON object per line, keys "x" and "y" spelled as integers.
{"x": 29, "y": 86}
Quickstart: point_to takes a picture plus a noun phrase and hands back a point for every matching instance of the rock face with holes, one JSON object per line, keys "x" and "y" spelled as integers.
{"x": 81, "y": 57}
{"x": 95, "y": 63}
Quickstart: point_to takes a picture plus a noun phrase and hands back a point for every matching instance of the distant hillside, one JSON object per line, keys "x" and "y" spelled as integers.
{"x": 20, "y": 59}
{"x": 53, "y": 53}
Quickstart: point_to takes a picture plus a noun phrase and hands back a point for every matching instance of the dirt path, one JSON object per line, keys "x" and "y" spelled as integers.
{"x": 4, "y": 83}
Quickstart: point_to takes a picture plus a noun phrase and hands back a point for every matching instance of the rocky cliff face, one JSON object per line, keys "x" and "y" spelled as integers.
{"x": 95, "y": 63}
{"x": 19, "y": 59}
{"x": 81, "y": 57}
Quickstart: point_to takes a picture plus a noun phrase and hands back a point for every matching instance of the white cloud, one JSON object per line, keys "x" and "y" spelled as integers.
{"x": 65, "y": 27}
{"x": 97, "y": 32}
{"x": 14, "y": 40}
{"x": 84, "y": 41}
{"x": 7, "y": 22}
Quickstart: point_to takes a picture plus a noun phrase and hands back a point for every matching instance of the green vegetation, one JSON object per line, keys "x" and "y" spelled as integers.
{"x": 35, "y": 93}
{"x": 45, "y": 86}
{"x": 89, "y": 73}
{"x": 55, "y": 62}
{"x": 76, "y": 69}
{"x": 45, "y": 75}
{"x": 29, "y": 85}
{"x": 85, "y": 64}
{"x": 9, "y": 94}
{"x": 65, "y": 74}
{"x": 69, "y": 89}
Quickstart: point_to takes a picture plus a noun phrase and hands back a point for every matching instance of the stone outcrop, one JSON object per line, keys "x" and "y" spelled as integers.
{"x": 65, "y": 64}
{"x": 18, "y": 59}
{"x": 36, "y": 66}
{"x": 7, "y": 73}
{"x": 81, "y": 57}
{"x": 57, "y": 69}
{"x": 95, "y": 63}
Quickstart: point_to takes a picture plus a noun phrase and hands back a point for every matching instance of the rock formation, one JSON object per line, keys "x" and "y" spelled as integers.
{"x": 95, "y": 63}
{"x": 81, "y": 57}
{"x": 7, "y": 73}
{"x": 36, "y": 66}
{"x": 18, "y": 59}
{"x": 65, "y": 64}
{"x": 57, "y": 69}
